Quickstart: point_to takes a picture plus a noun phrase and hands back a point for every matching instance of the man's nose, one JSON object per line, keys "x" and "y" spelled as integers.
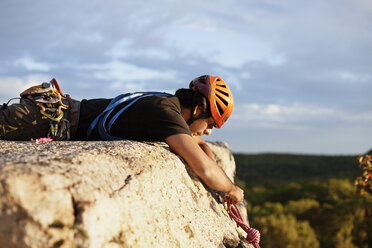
{"x": 208, "y": 131}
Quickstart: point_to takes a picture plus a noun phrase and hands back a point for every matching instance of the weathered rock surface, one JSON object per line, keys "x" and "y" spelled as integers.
{"x": 109, "y": 194}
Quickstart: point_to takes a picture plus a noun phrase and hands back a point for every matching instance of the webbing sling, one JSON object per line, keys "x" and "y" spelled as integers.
{"x": 101, "y": 119}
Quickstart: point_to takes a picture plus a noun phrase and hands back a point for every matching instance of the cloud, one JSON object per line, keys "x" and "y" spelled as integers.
{"x": 229, "y": 49}
{"x": 124, "y": 49}
{"x": 128, "y": 87}
{"x": 296, "y": 116}
{"x": 122, "y": 71}
{"x": 354, "y": 77}
{"x": 278, "y": 113}
{"x": 31, "y": 64}
{"x": 291, "y": 64}
{"x": 12, "y": 86}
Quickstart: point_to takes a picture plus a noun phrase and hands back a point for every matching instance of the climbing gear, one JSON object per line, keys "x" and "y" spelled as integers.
{"x": 219, "y": 95}
{"x": 56, "y": 119}
{"x": 5, "y": 105}
{"x": 48, "y": 97}
{"x": 104, "y": 125}
{"x": 253, "y": 235}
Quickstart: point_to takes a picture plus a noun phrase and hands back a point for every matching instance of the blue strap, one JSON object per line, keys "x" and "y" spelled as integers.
{"x": 114, "y": 102}
{"x": 101, "y": 119}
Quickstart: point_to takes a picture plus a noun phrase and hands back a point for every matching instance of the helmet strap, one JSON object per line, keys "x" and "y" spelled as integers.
{"x": 192, "y": 118}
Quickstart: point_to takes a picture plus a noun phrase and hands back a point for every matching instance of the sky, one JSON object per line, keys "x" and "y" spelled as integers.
{"x": 300, "y": 71}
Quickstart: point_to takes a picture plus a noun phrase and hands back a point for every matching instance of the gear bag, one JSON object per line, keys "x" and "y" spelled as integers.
{"x": 53, "y": 106}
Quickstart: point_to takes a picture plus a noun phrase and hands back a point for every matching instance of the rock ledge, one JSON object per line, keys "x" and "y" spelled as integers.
{"x": 109, "y": 194}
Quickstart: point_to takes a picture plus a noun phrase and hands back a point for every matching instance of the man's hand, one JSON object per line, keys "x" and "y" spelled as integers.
{"x": 237, "y": 194}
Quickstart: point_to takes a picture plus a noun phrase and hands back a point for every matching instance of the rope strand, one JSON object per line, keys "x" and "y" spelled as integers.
{"x": 253, "y": 235}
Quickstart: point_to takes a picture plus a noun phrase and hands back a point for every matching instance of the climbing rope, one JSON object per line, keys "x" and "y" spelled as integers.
{"x": 253, "y": 235}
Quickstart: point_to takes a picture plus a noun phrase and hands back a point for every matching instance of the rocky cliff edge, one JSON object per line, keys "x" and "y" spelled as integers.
{"x": 109, "y": 194}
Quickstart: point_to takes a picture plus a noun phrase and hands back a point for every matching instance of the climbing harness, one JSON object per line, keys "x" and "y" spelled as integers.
{"x": 104, "y": 125}
{"x": 253, "y": 235}
{"x": 48, "y": 97}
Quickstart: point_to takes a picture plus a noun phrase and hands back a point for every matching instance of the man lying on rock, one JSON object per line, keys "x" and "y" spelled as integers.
{"x": 179, "y": 120}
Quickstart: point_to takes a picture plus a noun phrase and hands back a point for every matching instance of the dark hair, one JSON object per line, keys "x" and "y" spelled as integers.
{"x": 192, "y": 98}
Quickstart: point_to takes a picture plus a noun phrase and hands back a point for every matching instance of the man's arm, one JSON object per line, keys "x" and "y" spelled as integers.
{"x": 204, "y": 146}
{"x": 203, "y": 165}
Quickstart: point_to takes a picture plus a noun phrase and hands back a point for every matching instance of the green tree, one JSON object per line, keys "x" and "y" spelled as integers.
{"x": 284, "y": 231}
{"x": 343, "y": 238}
{"x": 300, "y": 207}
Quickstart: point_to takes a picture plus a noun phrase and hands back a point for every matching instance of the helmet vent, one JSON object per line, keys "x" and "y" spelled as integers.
{"x": 222, "y": 100}
{"x": 220, "y": 110}
{"x": 222, "y": 92}
{"x": 221, "y": 85}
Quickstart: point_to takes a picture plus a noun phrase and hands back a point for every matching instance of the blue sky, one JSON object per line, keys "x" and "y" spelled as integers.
{"x": 300, "y": 71}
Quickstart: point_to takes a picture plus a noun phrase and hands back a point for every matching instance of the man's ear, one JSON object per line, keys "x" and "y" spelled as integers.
{"x": 197, "y": 110}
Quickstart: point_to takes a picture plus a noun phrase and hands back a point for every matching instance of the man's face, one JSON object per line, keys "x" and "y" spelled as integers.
{"x": 202, "y": 126}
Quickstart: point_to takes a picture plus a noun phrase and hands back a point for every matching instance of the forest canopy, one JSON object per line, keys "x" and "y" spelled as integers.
{"x": 304, "y": 201}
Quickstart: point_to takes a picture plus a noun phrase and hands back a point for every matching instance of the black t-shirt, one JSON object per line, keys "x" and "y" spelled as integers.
{"x": 151, "y": 118}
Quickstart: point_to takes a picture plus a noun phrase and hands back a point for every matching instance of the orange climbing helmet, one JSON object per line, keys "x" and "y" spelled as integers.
{"x": 219, "y": 95}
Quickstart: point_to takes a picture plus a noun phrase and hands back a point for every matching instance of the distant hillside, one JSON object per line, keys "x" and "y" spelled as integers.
{"x": 264, "y": 168}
